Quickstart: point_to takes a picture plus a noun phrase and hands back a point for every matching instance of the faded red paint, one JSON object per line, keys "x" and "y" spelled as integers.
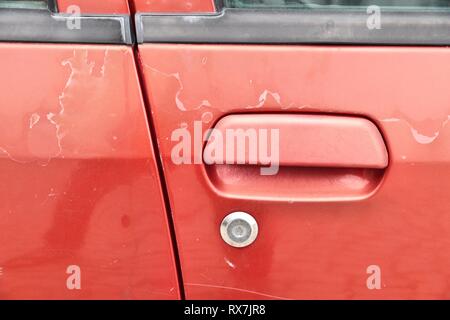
{"x": 96, "y": 6}
{"x": 123, "y": 6}
{"x": 174, "y": 5}
{"x": 305, "y": 249}
{"x": 79, "y": 180}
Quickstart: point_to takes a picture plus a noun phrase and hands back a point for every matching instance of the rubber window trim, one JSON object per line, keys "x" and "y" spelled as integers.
{"x": 37, "y": 25}
{"x": 281, "y": 26}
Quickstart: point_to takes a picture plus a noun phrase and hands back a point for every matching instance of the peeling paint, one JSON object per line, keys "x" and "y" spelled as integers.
{"x": 34, "y": 119}
{"x": 417, "y": 135}
{"x": 204, "y": 103}
{"x": 423, "y": 139}
{"x": 263, "y": 98}
{"x": 11, "y": 157}
{"x": 38, "y": 146}
{"x": 175, "y": 75}
{"x": 178, "y": 102}
{"x": 70, "y": 81}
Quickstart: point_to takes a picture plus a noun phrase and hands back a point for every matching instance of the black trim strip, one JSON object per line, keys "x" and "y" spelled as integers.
{"x": 28, "y": 25}
{"x": 53, "y": 5}
{"x": 313, "y": 26}
{"x": 218, "y": 4}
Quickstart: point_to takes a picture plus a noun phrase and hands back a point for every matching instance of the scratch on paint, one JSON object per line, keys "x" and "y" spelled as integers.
{"x": 237, "y": 289}
{"x": 229, "y": 263}
{"x": 11, "y": 157}
{"x": 262, "y": 100}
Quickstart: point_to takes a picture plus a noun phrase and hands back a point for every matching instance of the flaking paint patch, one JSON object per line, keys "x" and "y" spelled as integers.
{"x": 176, "y": 75}
{"x": 205, "y": 103}
{"x": 423, "y": 139}
{"x": 263, "y": 99}
{"x": 70, "y": 81}
{"x": 418, "y": 136}
{"x": 80, "y": 68}
{"x": 34, "y": 119}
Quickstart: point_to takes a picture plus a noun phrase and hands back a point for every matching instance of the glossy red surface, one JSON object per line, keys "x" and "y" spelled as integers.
{"x": 312, "y": 157}
{"x": 310, "y": 140}
{"x": 174, "y": 5}
{"x": 79, "y": 180}
{"x": 96, "y": 6}
{"x": 305, "y": 249}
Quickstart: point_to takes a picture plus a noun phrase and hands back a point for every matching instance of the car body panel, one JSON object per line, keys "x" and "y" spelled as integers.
{"x": 86, "y": 192}
{"x": 308, "y": 250}
{"x": 80, "y": 186}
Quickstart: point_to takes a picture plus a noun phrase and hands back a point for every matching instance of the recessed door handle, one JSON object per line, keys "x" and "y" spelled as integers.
{"x": 319, "y": 157}
{"x": 313, "y": 140}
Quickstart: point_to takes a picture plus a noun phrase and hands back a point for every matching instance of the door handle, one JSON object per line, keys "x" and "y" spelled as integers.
{"x": 320, "y": 157}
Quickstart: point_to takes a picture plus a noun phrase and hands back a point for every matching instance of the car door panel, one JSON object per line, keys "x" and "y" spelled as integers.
{"x": 82, "y": 214}
{"x": 304, "y": 249}
{"x": 107, "y": 190}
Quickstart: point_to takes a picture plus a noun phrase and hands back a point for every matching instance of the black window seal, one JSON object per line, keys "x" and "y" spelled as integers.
{"x": 50, "y": 26}
{"x": 53, "y": 5}
{"x": 219, "y": 5}
{"x": 282, "y": 26}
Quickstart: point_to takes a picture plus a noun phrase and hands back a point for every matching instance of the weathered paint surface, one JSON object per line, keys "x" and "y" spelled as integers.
{"x": 79, "y": 181}
{"x": 306, "y": 249}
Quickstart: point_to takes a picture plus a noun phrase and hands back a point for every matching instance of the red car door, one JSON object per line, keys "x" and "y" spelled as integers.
{"x": 360, "y": 97}
{"x": 82, "y": 214}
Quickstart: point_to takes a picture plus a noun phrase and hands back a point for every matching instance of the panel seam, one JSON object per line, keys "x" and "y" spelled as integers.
{"x": 159, "y": 164}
